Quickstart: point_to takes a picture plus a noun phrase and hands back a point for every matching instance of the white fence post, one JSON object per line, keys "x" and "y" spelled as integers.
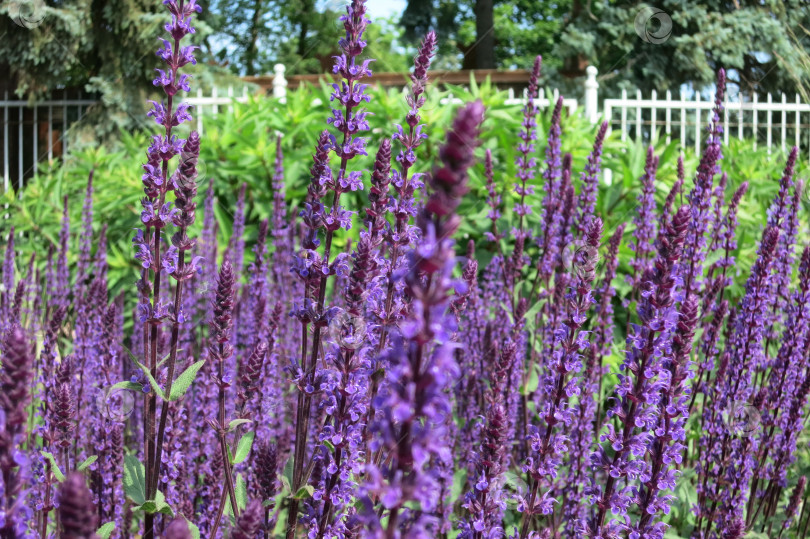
{"x": 280, "y": 83}
{"x": 591, "y": 95}
{"x": 199, "y": 114}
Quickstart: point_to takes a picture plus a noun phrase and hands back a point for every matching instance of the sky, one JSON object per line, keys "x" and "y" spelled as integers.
{"x": 385, "y": 8}
{"x": 377, "y": 8}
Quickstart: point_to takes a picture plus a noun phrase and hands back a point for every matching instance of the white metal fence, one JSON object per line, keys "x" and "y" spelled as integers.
{"x": 761, "y": 121}
{"x": 32, "y": 134}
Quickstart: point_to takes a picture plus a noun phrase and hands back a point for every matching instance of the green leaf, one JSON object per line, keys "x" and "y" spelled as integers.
{"x": 532, "y": 382}
{"x": 285, "y": 484}
{"x": 54, "y": 466}
{"x": 195, "y": 531}
{"x": 243, "y": 448}
{"x": 167, "y": 356}
{"x": 132, "y": 386}
{"x": 87, "y": 462}
{"x": 184, "y": 381}
{"x": 329, "y": 446}
{"x": 236, "y": 422}
{"x": 241, "y": 492}
{"x": 152, "y": 381}
{"x": 134, "y": 480}
{"x": 287, "y": 473}
{"x": 132, "y": 356}
{"x": 304, "y": 492}
{"x": 158, "y": 505}
{"x": 106, "y": 530}
{"x": 459, "y": 482}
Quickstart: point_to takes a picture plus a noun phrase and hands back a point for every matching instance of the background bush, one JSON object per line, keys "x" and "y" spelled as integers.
{"x": 239, "y": 147}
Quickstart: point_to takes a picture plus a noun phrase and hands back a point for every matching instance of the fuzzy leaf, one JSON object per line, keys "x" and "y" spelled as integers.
{"x": 304, "y": 492}
{"x": 195, "y": 531}
{"x": 184, "y": 381}
{"x": 288, "y": 470}
{"x": 285, "y": 484}
{"x": 243, "y": 448}
{"x": 132, "y": 386}
{"x": 236, "y": 422}
{"x": 241, "y": 492}
{"x": 158, "y": 505}
{"x": 87, "y": 462}
{"x": 54, "y": 466}
{"x": 106, "y": 530}
{"x": 134, "y": 480}
{"x": 532, "y": 382}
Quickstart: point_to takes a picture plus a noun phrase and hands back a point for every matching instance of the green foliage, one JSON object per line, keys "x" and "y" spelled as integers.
{"x": 87, "y": 462}
{"x": 106, "y": 530}
{"x": 134, "y": 479}
{"x": 243, "y": 447}
{"x": 234, "y": 423}
{"x": 158, "y": 505}
{"x": 105, "y": 49}
{"x": 239, "y": 146}
{"x": 57, "y": 472}
{"x": 184, "y": 381}
{"x": 759, "y": 42}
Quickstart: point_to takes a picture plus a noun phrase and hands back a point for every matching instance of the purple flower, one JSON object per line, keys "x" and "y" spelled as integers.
{"x": 420, "y": 418}
{"x": 77, "y": 513}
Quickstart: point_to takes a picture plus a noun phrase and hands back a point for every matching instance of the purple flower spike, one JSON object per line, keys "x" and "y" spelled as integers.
{"x": 77, "y": 513}
{"x": 637, "y": 394}
{"x": 590, "y": 182}
{"x": 411, "y": 425}
{"x": 645, "y": 225}
{"x": 15, "y": 381}
{"x": 700, "y": 198}
{"x": 549, "y": 441}
{"x": 249, "y": 522}
{"x": 177, "y": 529}
{"x": 525, "y": 161}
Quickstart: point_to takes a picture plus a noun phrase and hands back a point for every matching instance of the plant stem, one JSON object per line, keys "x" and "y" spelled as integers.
{"x": 164, "y": 411}
{"x": 226, "y": 461}
{"x": 220, "y": 510}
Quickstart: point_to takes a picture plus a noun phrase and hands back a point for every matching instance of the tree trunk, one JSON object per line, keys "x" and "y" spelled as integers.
{"x": 485, "y": 34}
{"x": 252, "y": 51}
{"x": 304, "y": 28}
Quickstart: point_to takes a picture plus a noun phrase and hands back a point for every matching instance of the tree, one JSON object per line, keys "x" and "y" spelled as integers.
{"x": 104, "y": 48}
{"x": 762, "y": 45}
